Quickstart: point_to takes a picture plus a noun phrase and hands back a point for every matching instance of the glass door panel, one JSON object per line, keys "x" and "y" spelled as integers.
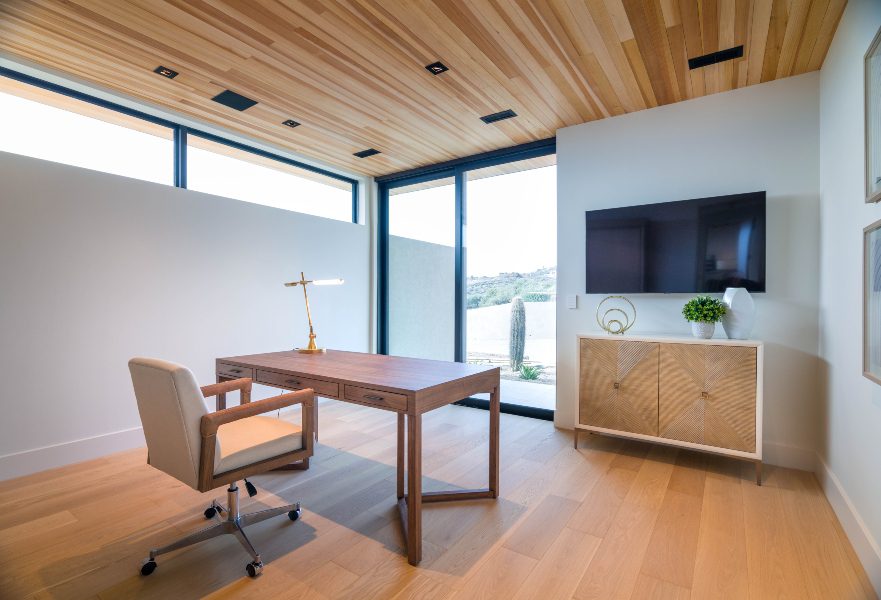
{"x": 421, "y": 270}
{"x": 511, "y": 268}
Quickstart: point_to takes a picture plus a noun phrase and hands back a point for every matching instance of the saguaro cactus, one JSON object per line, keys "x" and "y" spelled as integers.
{"x": 518, "y": 332}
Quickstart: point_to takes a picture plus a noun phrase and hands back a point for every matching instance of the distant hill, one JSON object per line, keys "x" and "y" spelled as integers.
{"x": 537, "y": 286}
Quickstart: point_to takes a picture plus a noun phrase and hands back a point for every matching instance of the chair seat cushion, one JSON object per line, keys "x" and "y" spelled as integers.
{"x": 250, "y": 440}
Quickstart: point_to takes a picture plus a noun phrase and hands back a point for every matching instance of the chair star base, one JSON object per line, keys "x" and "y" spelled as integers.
{"x": 234, "y": 524}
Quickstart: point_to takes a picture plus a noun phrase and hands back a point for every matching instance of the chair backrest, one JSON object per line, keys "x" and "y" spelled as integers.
{"x": 171, "y": 406}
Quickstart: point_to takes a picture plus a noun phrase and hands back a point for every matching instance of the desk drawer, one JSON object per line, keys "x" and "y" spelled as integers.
{"x": 295, "y": 382}
{"x": 233, "y": 371}
{"x": 376, "y": 398}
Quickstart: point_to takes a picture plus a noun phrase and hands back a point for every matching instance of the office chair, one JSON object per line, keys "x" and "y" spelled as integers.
{"x": 206, "y": 450}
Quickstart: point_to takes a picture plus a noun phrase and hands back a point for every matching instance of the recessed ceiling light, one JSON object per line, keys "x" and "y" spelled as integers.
{"x": 165, "y": 72}
{"x": 715, "y": 57}
{"x": 436, "y": 68}
{"x": 290, "y": 123}
{"x": 366, "y": 153}
{"x": 234, "y": 100}
{"x": 499, "y": 116}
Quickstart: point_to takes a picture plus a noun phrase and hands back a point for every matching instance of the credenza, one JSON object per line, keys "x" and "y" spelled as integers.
{"x": 692, "y": 393}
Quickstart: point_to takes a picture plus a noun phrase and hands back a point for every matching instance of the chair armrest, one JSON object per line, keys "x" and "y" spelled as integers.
{"x": 243, "y": 385}
{"x": 212, "y": 421}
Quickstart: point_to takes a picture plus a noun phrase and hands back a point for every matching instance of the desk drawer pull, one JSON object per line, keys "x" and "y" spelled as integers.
{"x": 328, "y": 389}
{"x": 233, "y": 371}
{"x": 377, "y": 398}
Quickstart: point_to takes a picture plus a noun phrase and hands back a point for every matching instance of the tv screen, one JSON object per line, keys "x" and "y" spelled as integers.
{"x": 703, "y": 245}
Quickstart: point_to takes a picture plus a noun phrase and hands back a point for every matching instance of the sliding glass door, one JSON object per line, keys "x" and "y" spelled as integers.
{"x": 511, "y": 269}
{"x": 467, "y": 269}
{"x": 421, "y": 270}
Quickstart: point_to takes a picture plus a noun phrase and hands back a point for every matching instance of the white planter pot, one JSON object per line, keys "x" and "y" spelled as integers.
{"x": 702, "y": 330}
{"x": 738, "y": 321}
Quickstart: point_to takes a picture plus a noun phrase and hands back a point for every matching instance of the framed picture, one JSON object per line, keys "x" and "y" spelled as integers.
{"x": 873, "y": 120}
{"x": 872, "y": 302}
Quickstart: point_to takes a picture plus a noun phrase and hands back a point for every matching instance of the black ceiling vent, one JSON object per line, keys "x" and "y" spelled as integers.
{"x": 715, "y": 57}
{"x": 366, "y": 153}
{"x": 165, "y": 72}
{"x": 499, "y": 116}
{"x": 233, "y": 100}
{"x": 290, "y": 123}
{"x": 436, "y": 68}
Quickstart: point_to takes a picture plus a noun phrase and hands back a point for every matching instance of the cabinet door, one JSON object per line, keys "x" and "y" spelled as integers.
{"x": 708, "y": 395}
{"x": 619, "y": 385}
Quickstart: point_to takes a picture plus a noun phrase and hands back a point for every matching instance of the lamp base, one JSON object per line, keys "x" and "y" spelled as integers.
{"x": 310, "y": 350}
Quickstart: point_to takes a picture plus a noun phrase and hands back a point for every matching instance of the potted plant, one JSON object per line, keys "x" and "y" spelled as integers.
{"x": 703, "y": 312}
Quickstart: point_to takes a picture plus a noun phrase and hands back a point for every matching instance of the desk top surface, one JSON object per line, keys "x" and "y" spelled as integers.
{"x": 377, "y": 370}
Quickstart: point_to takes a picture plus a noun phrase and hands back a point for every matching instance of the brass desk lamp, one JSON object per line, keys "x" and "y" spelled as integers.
{"x": 311, "y": 348}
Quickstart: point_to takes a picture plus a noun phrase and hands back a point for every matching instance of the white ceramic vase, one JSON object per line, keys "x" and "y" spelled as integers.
{"x": 738, "y": 321}
{"x": 702, "y": 330}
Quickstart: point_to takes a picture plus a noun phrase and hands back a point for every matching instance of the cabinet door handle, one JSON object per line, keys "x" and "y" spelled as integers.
{"x": 292, "y": 381}
{"x": 235, "y": 370}
{"x": 616, "y": 385}
{"x": 705, "y": 395}
{"x": 375, "y": 398}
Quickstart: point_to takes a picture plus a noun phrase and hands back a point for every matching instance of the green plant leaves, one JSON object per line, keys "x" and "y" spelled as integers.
{"x": 529, "y": 372}
{"x": 704, "y": 309}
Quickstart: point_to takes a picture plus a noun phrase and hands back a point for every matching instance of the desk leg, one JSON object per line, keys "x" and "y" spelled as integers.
{"x": 315, "y": 419}
{"x": 414, "y": 489}
{"x": 220, "y": 399}
{"x": 400, "y": 455}
{"x": 410, "y": 505}
{"x": 495, "y": 403}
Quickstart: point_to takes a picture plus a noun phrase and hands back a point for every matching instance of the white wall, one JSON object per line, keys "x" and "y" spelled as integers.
{"x": 850, "y": 437}
{"x": 763, "y": 137}
{"x": 422, "y": 299}
{"x": 98, "y": 268}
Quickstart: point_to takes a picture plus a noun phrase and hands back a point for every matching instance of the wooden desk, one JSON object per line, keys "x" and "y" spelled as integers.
{"x": 408, "y": 386}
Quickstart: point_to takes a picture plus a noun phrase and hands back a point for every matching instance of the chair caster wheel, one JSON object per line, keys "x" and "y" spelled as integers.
{"x": 148, "y": 567}
{"x": 210, "y": 512}
{"x": 254, "y": 569}
{"x": 295, "y": 515}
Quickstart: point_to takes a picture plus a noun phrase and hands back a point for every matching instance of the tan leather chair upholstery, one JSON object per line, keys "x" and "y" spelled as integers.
{"x": 206, "y": 449}
{"x": 252, "y": 440}
{"x": 171, "y": 406}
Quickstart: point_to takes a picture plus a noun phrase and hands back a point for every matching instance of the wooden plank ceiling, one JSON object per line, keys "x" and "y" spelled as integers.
{"x": 352, "y": 71}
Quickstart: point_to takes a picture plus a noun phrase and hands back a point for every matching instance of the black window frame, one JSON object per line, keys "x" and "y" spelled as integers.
{"x": 179, "y": 135}
{"x": 458, "y": 170}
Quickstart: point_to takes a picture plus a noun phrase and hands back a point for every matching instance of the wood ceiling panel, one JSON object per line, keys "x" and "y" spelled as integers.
{"x": 352, "y": 71}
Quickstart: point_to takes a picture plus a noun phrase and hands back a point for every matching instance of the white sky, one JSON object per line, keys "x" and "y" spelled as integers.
{"x": 42, "y": 131}
{"x": 50, "y": 133}
{"x": 511, "y": 220}
{"x": 226, "y": 176}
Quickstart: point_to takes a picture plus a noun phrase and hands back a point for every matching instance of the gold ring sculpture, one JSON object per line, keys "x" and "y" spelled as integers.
{"x": 615, "y": 325}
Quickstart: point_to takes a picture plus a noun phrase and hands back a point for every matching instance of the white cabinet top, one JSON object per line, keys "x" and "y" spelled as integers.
{"x": 671, "y": 339}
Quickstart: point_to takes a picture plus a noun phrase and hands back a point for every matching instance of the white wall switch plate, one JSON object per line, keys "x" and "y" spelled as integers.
{"x": 571, "y": 300}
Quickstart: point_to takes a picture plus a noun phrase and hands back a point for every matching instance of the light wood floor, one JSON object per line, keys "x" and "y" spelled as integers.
{"x": 610, "y": 520}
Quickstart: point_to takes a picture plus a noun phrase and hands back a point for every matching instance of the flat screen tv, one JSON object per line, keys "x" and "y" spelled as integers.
{"x": 689, "y": 246}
